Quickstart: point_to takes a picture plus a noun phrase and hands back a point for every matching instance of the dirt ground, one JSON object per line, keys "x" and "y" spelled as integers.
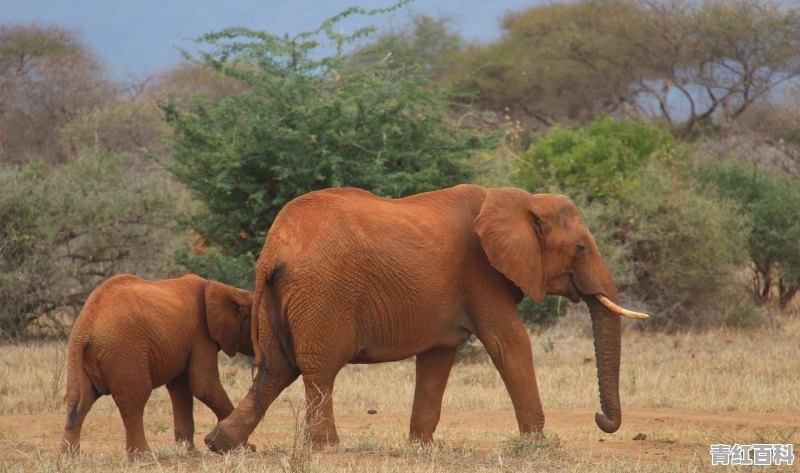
{"x": 654, "y": 439}
{"x": 680, "y": 393}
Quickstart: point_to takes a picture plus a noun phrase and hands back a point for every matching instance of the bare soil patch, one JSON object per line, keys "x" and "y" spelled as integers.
{"x": 651, "y": 439}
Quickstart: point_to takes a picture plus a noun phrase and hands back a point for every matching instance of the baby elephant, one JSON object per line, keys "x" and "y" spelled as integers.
{"x": 133, "y": 336}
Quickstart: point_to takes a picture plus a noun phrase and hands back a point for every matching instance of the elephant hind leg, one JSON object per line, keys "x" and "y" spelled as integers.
{"x": 183, "y": 416}
{"x": 78, "y": 403}
{"x": 433, "y": 369}
{"x": 131, "y": 401}
{"x": 319, "y": 408}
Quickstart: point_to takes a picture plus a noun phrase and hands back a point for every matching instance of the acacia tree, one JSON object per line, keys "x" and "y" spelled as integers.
{"x": 547, "y": 68}
{"x": 679, "y": 61}
{"x": 47, "y": 77}
{"x": 716, "y": 56}
{"x": 428, "y": 43}
{"x": 301, "y": 124}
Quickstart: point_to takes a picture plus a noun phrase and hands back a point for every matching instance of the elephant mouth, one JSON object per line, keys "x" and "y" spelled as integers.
{"x": 607, "y": 303}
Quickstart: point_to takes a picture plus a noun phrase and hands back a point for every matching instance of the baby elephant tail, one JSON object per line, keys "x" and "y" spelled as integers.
{"x": 80, "y": 393}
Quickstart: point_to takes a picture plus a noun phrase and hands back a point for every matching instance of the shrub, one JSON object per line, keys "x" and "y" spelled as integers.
{"x": 304, "y": 124}
{"x": 544, "y": 314}
{"x": 673, "y": 248}
{"x": 771, "y": 203}
{"x": 64, "y": 229}
{"x": 600, "y": 161}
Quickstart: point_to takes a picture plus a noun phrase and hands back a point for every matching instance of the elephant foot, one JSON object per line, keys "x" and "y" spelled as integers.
{"x": 423, "y": 440}
{"x": 220, "y": 441}
{"x": 188, "y": 444}
{"x": 321, "y": 442}
{"x": 70, "y": 450}
{"x": 420, "y": 435}
{"x": 136, "y": 456}
{"x": 322, "y": 445}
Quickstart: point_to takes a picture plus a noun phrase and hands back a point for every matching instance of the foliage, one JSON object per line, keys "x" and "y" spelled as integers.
{"x": 772, "y": 205}
{"x": 541, "y": 315}
{"x": 65, "y": 229}
{"x": 530, "y": 72}
{"x": 132, "y": 126}
{"x": 676, "y": 249}
{"x": 428, "y": 43}
{"x": 213, "y": 261}
{"x": 48, "y": 76}
{"x": 661, "y": 59}
{"x": 599, "y": 160}
{"x": 303, "y": 124}
{"x": 132, "y": 122}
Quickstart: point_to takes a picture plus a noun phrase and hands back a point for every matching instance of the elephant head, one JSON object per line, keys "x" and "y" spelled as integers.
{"x": 228, "y": 316}
{"x": 541, "y": 243}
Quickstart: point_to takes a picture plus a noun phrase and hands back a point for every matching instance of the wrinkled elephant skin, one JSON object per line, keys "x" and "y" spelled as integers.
{"x": 135, "y": 335}
{"x": 348, "y": 277}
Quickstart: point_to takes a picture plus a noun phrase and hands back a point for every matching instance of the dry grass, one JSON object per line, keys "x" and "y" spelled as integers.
{"x": 724, "y": 371}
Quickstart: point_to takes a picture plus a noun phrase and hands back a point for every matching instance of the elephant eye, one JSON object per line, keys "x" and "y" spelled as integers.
{"x": 580, "y": 247}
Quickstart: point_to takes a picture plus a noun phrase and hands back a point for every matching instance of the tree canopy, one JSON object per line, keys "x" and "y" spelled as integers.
{"x": 304, "y": 124}
{"x": 678, "y": 61}
{"x": 47, "y": 77}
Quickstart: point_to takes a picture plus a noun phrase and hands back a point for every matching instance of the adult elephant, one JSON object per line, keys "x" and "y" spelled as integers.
{"x": 348, "y": 277}
{"x": 134, "y": 335}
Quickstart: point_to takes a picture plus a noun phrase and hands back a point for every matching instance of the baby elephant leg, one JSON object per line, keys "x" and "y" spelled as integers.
{"x": 183, "y": 416}
{"x": 131, "y": 402}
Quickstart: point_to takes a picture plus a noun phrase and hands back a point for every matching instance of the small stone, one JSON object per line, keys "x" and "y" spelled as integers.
{"x": 371, "y": 411}
{"x": 640, "y": 436}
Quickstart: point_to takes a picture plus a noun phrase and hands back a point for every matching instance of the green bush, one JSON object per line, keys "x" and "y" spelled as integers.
{"x": 600, "y": 161}
{"x": 544, "y": 314}
{"x": 24, "y": 231}
{"x": 64, "y": 229}
{"x": 304, "y": 124}
{"x": 771, "y": 203}
{"x": 672, "y": 248}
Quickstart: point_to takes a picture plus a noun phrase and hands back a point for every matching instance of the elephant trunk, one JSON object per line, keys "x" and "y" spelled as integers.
{"x": 607, "y": 345}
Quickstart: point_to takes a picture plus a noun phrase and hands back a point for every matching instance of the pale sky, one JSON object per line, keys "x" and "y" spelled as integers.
{"x": 139, "y": 36}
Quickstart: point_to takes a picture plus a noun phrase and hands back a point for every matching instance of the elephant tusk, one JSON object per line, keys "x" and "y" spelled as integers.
{"x": 619, "y": 310}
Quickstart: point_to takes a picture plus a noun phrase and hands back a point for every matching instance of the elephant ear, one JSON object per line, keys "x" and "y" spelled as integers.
{"x": 506, "y": 226}
{"x": 225, "y": 306}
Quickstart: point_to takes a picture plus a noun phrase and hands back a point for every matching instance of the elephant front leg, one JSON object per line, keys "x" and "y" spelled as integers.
{"x": 507, "y": 342}
{"x": 433, "y": 369}
{"x": 204, "y": 383}
{"x": 273, "y": 376}
{"x": 182, "y": 412}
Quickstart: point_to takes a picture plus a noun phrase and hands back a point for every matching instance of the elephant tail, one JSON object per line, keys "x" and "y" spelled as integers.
{"x": 78, "y": 381}
{"x": 267, "y": 300}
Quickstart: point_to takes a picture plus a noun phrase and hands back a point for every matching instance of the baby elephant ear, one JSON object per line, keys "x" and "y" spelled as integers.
{"x": 506, "y": 227}
{"x": 224, "y": 307}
